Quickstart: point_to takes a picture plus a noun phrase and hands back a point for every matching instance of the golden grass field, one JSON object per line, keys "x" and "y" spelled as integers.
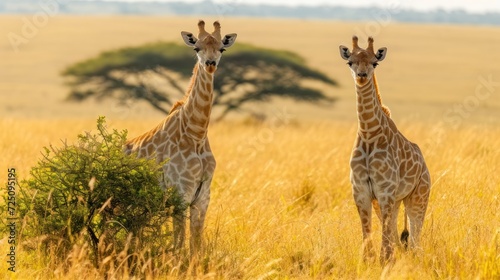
{"x": 281, "y": 204}
{"x": 282, "y": 208}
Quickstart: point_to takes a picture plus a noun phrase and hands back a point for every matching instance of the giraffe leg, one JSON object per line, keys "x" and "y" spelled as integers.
{"x": 394, "y": 219}
{"x": 376, "y": 207}
{"x": 197, "y": 211}
{"x": 179, "y": 230}
{"x": 363, "y": 204}
{"x": 416, "y": 206}
{"x": 389, "y": 216}
{"x": 179, "y": 216}
{"x": 394, "y": 222}
{"x": 405, "y": 233}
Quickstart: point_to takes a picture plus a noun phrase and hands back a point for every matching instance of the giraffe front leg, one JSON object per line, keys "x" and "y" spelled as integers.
{"x": 394, "y": 219}
{"x": 179, "y": 222}
{"x": 364, "y": 206}
{"x": 389, "y": 220}
{"x": 171, "y": 181}
{"x": 198, "y": 210}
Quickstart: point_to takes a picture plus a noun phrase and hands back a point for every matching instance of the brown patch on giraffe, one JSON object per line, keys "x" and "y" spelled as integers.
{"x": 206, "y": 110}
{"x": 381, "y": 141}
{"x": 205, "y": 97}
{"x": 368, "y": 115}
{"x": 157, "y": 141}
{"x": 150, "y": 148}
{"x": 373, "y": 123}
{"x": 413, "y": 170}
{"x": 198, "y": 118}
{"x": 201, "y": 85}
{"x": 356, "y": 153}
{"x": 392, "y": 126}
{"x": 171, "y": 130}
{"x": 369, "y": 106}
{"x": 423, "y": 191}
{"x": 184, "y": 145}
{"x": 185, "y": 152}
{"x": 190, "y": 130}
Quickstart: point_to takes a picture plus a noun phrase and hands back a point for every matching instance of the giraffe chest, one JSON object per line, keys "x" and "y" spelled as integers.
{"x": 189, "y": 163}
{"x": 373, "y": 163}
{"x": 381, "y": 169}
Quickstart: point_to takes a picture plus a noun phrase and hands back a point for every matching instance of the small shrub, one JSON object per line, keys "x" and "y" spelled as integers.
{"x": 94, "y": 190}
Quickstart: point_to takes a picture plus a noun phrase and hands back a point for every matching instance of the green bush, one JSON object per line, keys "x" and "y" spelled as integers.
{"x": 94, "y": 190}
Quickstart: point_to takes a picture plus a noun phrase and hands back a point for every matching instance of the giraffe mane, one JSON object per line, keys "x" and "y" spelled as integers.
{"x": 385, "y": 109}
{"x": 176, "y": 106}
{"x": 146, "y": 137}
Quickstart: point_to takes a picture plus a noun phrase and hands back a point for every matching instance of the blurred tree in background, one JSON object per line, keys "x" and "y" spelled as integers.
{"x": 156, "y": 72}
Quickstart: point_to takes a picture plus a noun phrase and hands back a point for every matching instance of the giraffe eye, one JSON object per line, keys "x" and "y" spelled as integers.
{"x": 196, "y": 49}
{"x": 222, "y": 50}
{"x": 375, "y": 64}
{"x": 349, "y": 63}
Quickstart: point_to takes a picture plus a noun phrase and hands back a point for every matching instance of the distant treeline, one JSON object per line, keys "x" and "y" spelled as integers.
{"x": 236, "y": 8}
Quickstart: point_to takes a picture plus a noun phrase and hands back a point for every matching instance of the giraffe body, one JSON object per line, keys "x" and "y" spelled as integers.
{"x": 386, "y": 168}
{"x": 181, "y": 138}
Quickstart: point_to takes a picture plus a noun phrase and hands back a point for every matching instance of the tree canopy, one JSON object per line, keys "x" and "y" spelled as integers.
{"x": 154, "y": 72}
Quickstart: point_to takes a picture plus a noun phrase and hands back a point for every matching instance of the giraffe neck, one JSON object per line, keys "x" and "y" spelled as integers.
{"x": 198, "y": 104}
{"x": 371, "y": 117}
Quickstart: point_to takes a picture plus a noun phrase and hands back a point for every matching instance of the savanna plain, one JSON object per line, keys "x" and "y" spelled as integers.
{"x": 281, "y": 204}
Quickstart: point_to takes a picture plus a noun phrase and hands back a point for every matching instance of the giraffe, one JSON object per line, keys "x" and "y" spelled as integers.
{"x": 386, "y": 168}
{"x": 182, "y": 137}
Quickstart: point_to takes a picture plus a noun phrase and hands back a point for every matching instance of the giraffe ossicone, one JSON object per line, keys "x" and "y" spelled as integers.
{"x": 182, "y": 137}
{"x": 386, "y": 168}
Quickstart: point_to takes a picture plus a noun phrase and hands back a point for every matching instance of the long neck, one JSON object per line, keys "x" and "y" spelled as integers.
{"x": 198, "y": 104}
{"x": 371, "y": 117}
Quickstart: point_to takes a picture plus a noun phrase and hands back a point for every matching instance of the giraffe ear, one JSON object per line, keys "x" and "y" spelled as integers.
{"x": 380, "y": 55}
{"x": 229, "y": 39}
{"x": 189, "y": 38}
{"x": 344, "y": 52}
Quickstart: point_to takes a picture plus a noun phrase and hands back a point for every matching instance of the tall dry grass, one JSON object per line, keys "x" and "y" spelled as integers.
{"x": 281, "y": 205}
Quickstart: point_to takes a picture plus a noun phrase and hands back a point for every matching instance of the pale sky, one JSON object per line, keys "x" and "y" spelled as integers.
{"x": 468, "y": 5}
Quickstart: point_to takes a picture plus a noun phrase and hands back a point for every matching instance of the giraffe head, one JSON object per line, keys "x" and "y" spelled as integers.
{"x": 362, "y": 62}
{"x": 208, "y": 47}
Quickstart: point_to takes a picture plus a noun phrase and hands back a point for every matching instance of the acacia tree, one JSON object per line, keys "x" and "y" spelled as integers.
{"x": 155, "y": 72}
